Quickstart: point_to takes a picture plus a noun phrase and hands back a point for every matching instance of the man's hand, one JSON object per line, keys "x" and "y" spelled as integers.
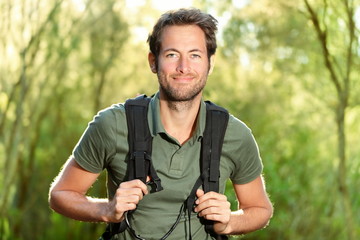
{"x": 213, "y": 206}
{"x": 126, "y": 198}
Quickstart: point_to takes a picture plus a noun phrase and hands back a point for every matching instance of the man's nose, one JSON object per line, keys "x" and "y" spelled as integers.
{"x": 183, "y": 65}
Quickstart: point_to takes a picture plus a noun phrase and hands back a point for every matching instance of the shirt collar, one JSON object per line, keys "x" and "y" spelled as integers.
{"x": 157, "y": 127}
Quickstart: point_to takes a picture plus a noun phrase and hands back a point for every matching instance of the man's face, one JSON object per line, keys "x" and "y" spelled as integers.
{"x": 183, "y": 64}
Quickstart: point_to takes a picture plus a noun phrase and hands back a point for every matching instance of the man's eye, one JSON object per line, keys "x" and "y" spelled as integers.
{"x": 171, "y": 55}
{"x": 195, "y": 56}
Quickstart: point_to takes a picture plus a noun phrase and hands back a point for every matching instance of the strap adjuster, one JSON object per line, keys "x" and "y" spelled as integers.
{"x": 155, "y": 185}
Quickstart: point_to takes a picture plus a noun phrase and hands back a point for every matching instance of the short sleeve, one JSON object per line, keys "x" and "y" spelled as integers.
{"x": 97, "y": 145}
{"x": 241, "y": 147}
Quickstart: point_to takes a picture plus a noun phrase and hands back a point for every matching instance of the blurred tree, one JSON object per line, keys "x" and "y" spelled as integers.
{"x": 335, "y": 26}
{"x": 19, "y": 113}
{"x": 107, "y": 36}
{"x": 275, "y": 42}
{"x": 46, "y": 48}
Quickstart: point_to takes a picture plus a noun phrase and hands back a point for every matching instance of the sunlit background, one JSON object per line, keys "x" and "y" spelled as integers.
{"x": 288, "y": 69}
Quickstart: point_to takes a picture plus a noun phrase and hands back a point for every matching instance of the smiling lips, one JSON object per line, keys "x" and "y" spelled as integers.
{"x": 183, "y": 78}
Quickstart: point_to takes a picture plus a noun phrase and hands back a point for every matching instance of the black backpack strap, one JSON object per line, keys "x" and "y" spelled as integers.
{"x": 139, "y": 165}
{"x": 213, "y": 138}
{"x": 140, "y": 142}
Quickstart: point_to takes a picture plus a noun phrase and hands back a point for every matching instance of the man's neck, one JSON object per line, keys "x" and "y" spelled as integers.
{"x": 179, "y": 118}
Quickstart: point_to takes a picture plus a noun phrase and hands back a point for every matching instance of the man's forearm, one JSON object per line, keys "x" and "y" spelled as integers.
{"x": 79, "y": 207}
{"x": 248, "y": 220}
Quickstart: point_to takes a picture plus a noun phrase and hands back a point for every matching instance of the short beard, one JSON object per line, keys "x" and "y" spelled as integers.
{"x": 175, "y": 95}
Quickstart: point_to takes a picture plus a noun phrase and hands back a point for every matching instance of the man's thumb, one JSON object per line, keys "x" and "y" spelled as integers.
{"x": 199, "y": 193}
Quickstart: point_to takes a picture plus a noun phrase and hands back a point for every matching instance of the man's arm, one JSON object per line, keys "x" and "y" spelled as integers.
{"x": 68, "y": 196}
{"x": 255, "y": 209}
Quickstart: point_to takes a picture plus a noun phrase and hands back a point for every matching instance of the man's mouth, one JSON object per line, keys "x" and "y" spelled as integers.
{"x": 183, "y": 78}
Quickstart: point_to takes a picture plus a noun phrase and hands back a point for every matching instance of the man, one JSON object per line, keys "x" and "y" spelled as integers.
{"x": 182, "y": 48}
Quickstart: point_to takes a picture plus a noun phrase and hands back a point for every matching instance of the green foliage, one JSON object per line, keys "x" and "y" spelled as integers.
{"x": 66, "y": 60}
{"x": 291, "y": 111}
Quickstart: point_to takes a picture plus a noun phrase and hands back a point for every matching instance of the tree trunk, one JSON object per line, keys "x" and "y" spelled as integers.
{"x": 341, "y": 84}
{"x": 342, "y": 169}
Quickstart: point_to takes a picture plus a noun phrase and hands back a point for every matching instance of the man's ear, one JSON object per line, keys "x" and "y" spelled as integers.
{"x": 152, "y": 62}
{"x": 212, "y": 63}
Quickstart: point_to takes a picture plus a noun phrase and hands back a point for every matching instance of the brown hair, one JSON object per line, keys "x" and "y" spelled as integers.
{"x": 184, "y": 16}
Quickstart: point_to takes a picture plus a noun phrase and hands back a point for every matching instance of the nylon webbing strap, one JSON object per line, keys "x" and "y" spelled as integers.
{"x": 139, "y": 137}
{"x": 140, "y": 147}
{"x": 140, "y": 142}
{"x": 213, "y": 138}
{"x": 216, "y": 123}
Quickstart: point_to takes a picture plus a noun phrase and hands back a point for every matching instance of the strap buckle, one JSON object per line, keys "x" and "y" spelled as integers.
{"x": 155, "y": 185}
{"x": 144, "y": 168}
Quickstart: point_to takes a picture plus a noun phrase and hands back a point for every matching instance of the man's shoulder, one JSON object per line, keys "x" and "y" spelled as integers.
{"x": 110, "y": 116}
{"x": 237, "y": 122}
{"x": 116, "y": 108}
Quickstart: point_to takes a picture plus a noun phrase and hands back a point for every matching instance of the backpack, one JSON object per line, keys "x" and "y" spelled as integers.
{"x": 140, "y": 165}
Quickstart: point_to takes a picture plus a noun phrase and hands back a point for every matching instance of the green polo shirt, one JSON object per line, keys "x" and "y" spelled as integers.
{"x": 104, "y": 146}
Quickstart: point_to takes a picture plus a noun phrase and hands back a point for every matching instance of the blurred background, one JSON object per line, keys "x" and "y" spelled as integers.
{"x": 289, "y": 69}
